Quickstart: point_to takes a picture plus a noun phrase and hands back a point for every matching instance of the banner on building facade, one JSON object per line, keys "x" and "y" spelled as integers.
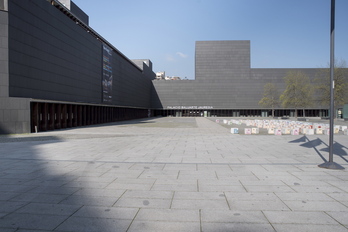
{"x": 107, "y": 74}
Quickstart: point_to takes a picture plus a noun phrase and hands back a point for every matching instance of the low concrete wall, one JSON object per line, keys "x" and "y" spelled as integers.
{"x": 14, "y": 115}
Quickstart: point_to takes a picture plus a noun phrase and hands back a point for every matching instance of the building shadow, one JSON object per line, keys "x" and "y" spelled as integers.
{"x": 39, "y": 191}
{"x": 338, "y": 149}
{"x": 3, "y": 130}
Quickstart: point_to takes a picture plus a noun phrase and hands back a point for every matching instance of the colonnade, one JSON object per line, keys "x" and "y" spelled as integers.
{"x": 51, "y": 116}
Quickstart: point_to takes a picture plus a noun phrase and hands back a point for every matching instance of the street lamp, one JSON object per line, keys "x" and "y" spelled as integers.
{"x": 331, "y": 164}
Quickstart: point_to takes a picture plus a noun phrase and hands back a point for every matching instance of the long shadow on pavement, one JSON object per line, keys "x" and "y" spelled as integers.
{"x": 337, "y": 147}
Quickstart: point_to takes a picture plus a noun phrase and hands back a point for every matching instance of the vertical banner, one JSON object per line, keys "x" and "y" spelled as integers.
{"x": 107, "y": 74}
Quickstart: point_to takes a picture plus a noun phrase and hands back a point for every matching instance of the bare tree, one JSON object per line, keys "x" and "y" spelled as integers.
{"x": 270, "y": 97}
{"x": 340, "y": 82}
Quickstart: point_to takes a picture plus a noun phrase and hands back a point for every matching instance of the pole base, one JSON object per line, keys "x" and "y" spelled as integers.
{"x": 331, "y": 165}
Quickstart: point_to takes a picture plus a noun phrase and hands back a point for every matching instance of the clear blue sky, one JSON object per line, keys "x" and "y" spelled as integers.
{"x": 283, "y": 33}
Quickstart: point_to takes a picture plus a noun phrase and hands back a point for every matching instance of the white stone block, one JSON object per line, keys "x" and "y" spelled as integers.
{"x": 304, "y": 131}
{"x": 336, "y": 129}
{"x": 255, "y": 130}
{"x": 277, "y": 131}
{"x": 271, "y": 131}
{"x": 319, "y": 131}
{"x": 286, "y": 131}
{"x": 247, "y": 131}
{"x": 295, "y": 131}
{"x": 310, "y": 132}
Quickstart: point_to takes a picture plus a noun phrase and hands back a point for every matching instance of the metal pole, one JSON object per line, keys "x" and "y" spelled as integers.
{"x": 331, "y": 164}
{"x": 332, "y": 67}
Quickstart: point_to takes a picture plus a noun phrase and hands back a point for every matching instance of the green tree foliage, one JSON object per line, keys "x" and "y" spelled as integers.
{"x": 298, "y": 92}
{"x": 270, "y": 97}
{"x": 340, "y": 88}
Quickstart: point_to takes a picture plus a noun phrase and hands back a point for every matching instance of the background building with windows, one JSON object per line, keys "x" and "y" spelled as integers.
{"x": 57, "y": 72}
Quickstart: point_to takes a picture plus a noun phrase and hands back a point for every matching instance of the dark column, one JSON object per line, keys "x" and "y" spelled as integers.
{"x": 44, "y": 116}
{"x": 64, "y": 116}
{"x": 117, "y": 115}
{"x": 35, "y": 116}
{"x": 91, "y": 113}
{"x": 51, "y": 116}
{"x": 79, "y": 115}
{"x": 74, "y": 116}
{"x": 69, "y": 115}
{"x": 83, "y": 115}
{"x": 58, "y": 116}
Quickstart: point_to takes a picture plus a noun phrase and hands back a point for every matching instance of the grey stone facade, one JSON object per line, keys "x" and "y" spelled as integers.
{"x": 14, "y": 115}
{"x": 56, "y": 59}
{"x": 52, "y": 66}
{"x": 224, "y": 80}
{"x": 222, "y": 60}
{"x": 48, "y": 54}
{"x": 4, "y": 80}
{"x": 79, "y": 13}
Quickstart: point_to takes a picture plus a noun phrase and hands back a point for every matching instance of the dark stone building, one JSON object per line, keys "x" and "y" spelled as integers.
{"x": 57, "y": 72}
{"x": 225, "y": 85}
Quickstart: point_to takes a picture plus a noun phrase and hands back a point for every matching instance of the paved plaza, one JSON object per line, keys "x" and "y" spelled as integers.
{"x": 171, "y": 174}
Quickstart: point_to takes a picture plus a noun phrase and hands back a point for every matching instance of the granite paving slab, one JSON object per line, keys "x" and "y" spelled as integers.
{"x": 170, "y": 174}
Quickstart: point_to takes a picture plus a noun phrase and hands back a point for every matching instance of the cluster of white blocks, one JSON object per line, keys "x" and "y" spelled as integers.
{"x": 281, "y": 127}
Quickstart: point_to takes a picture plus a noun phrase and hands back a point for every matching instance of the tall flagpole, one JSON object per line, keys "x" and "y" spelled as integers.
{"x": 331, "y": 164}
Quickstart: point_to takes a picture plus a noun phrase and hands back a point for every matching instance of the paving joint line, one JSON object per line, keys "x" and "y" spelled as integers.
{"x": 176, "y": 163}
{"x": 130, "y": 224}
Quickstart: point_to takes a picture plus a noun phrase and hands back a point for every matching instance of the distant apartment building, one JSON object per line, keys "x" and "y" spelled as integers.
{"x": 160, "y": 75}
{"x": 173, "y": 78}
